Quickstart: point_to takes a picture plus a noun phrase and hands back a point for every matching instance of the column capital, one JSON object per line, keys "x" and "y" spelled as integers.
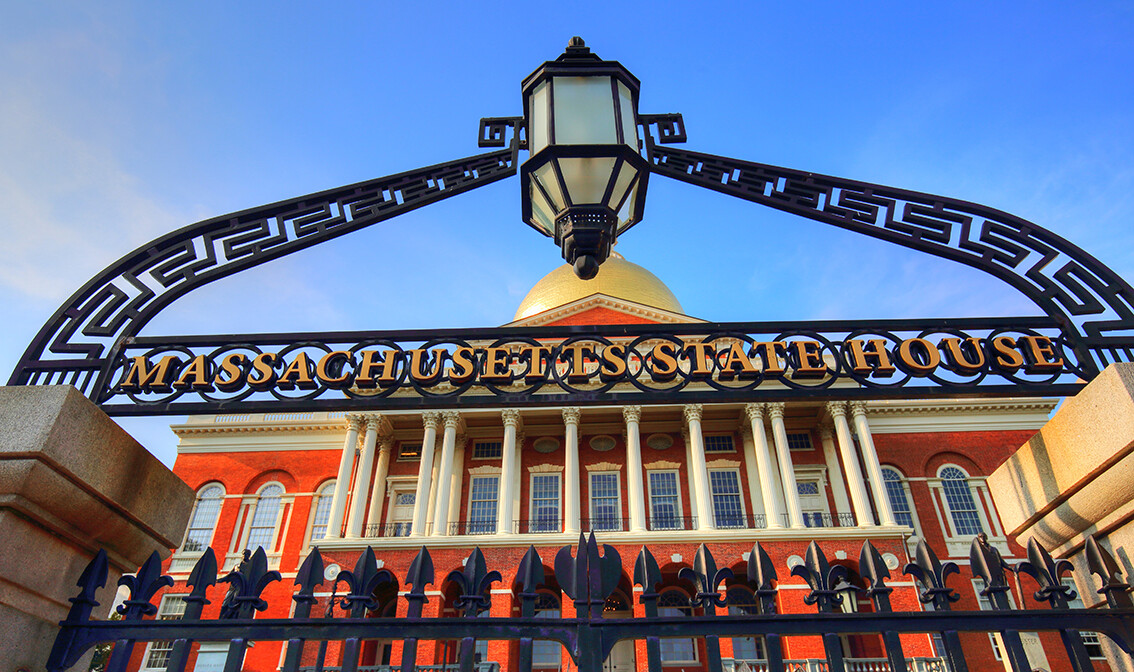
{"x": 571, "y": 415}
{"x": 376, "y": 421}
{"x": 826, "y": 431}
{"x": 430, "y": 419}
{"x": 754, "y": 412}
{"x": 858, "y": 408}
{"x": 452, "y": 419}
{"x": 385, "y": 443}
{"x": 693, "y": 412}
{"x": 632, "y": 413}
{"x": 776, "y": 410}
{"x": 354, "y": 421}
{"x": 837, "y": 409}
{"x": 520, "y": 436}
{"x": 511, "y": 418}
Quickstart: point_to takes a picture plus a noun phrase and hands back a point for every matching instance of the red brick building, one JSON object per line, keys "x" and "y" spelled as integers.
{"x": 670, "y": 477}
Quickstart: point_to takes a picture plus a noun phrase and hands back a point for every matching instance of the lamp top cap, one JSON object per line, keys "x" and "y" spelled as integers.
{"x": 578, "y": 60}
{"x": 578, "y": 49}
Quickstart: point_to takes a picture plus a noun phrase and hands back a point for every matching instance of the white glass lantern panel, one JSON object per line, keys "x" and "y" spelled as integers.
{"x": 546, "y": 177}
{"x": 629, "y": 127}
{"x": 537, "y": 109}
{"x": 543, "y": 215}
{"x": 625, "y": 176}
{"x": 584, "y": 111}
{"x": 626, "y": 213}
{"x": 586, "y": 179}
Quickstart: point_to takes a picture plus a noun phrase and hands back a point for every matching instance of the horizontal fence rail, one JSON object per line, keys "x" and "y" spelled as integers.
{"x": 589, "y": 578}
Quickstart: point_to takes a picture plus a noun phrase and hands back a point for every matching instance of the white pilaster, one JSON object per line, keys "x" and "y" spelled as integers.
{"x": 445, "y": 475}
{"x": 762, "y": 463}
{"x": 855, "y": 484}
{"x": 835, "y": 474}
{"x": 431, "y": 510}
{"x": 507, "y": 494}
{"x": 362, "y": 477}
{"x": 458, "y": 477}
{"x": 572, "y": 522}
{"x": 429, "y": 420}
{"x": 870, "y": 459}
{"x": 342, "y": 481}
{"x": 700, "y": 471}
{"x": 378, "y": 494}
{"x": 752, "y": 471}
{"x": 787, "y": 469}
{"x": 637, "y": 501}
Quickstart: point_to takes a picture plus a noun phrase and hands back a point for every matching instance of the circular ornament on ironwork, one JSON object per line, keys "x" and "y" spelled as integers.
{"x": 332, "y": 572}
{"x": 545, "y": 444}
{"x": 659, "y": 441}
{"x": 794, "y": 561}
{"x": 891, "y": 560}
{"x": 602, "y": 443}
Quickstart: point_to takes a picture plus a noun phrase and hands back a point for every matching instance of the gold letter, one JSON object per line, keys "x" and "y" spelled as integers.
{"x": 323, "y": 373}
{"x": 1007, "y": 358}
{"x": 957, "y": 355}
{"x": 770, "y": 352}
{"x": 700, "y": 359}
{"x": 198, "y": 371}
{"x": 387, "y": 366}
{"x": 535, "y": 354}
{"x": 465, "y": 369}
{"x": 263, "y": 364}
{"x": 497, "y": 367}
{"x": 427, "y": 378}
{"x": 613, "y": 362}
{"x": 663, "y": 354}
{"x": 1041, "y": 355}
{"x": 811, "y": 364}
{"x": 232, "y": 366}
{"x": 882, "y": 367}
{"x": 579, "y": 350}
{"x": 735, "y": 358}
{"x": 910, "y": 363}
{"x": 141, "y": 379}
{"x": 297, "y": 374}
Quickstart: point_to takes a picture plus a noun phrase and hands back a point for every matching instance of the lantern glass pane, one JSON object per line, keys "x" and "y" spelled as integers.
{"x": 537, "y": 108}
{"x": 584, "y": 111}
{"x": 626, "y": 105}
{"x": 545, "y": 175}
{"x": 626, "y": 212}
{"x": 543, "y": 214}
{"x": 625, "y": 175}
{"x": 586, "y": 179}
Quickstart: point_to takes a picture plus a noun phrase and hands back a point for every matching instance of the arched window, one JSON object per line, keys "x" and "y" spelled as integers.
{"x": 204, "y": 519}
{"x": 262, "y": 532}
{"x": 546, "y": 654}
{"x": 322, "y": 512}
{"x": 899, "y": 496}
{"x": 673, "y": 602}
{"x": 742, "y": 602}
{"x": 959, "y": 500}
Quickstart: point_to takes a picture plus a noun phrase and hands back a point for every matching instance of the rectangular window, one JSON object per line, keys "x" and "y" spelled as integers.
{"x": 408, "y": 452}
{"x": 482, "y": 504}
{"x": 172, "y": 608}
{"x": 799, "y": 441}
{"x": 728, "y": 510}
{"x": 719, "y": 443}
{"x": 606, "y": 505}
{"x": 545, "y": 503}
{"x": 1090, "y": 639}
{"x": 665, "y": 501}
{"x": 486, "y": 450}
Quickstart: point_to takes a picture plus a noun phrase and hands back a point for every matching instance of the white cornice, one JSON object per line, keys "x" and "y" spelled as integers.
{"x": 959, "y": 415}
{"x": 603, "y": 301}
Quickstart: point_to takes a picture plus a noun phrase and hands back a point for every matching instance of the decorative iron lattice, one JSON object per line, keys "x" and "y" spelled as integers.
{"x": 77, "y": 345}
{"x": 569, "y": 365}
{"x": 1092, "y": 303}
{"x": 589, "y": 578}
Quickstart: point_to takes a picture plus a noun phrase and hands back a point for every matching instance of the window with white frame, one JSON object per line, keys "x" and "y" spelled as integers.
{"x": 897, "y": 491}
{"x": 1090, "y": 639}
{"x": 676, "y": 650}
{"x": 799, "y": 441}
{"x": 204, "y": 519}
{"x": 960, "y": 502}
{"x": 719, "y": 443}
{"x": 728, "y": 505}
{"x": 486, "y": 450}
{"x": 545, "y": 503}
{"x": 483, "y": 491}
{"x": 665, "y": 500}
{"x": 606, "y": 502}
{"x": 262, "y": 531}
{"x": 322, "y": 508}
{"x": 546, "y": 654}
{"x": 172, "y": 607}
{"x": 741, "y": 602}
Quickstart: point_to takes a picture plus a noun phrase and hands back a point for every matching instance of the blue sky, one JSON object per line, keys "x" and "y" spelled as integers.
{"x": 120, "y": 121}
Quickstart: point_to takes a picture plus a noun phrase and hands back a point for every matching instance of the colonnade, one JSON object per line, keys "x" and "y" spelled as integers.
{"x": 772, "y": 487}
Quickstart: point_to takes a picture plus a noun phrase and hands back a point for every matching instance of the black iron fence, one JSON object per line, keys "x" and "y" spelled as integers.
{"x": 589, "y": 579}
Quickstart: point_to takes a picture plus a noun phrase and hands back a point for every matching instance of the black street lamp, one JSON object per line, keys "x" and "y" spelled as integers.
{"x": 585, "y": 180}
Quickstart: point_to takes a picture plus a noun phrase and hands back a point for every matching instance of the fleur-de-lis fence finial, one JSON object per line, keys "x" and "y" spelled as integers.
{"x": 362, "y": 583}
{"x": 761, "y": 574}
{"x": 248, "y": 581}
{"x": 94, "y": 576}
{"x": 142, "y": 586}
{"x": 873, "y": 568}
{"x": 203, "y": 576}
{"x": 822, "y": 577}
{"x": 932, "y": 578}
{"x": 647, "y": 574}
{"x": 475, "y": 581}
{"x": 419, "y": 576}
{"x": 587, "y": 578}
{"x": 1102, "y": 564}
{"x": 529, "y": 576}
{"x": 987, "y": 563}
{"x": 309, "y": 577}
{"x": 1048, "y": 573}
{"x": 707, "y": 578}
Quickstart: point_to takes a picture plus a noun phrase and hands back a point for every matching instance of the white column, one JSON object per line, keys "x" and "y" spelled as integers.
{"x": 855, "y": 484}
{"x": 458, "y": 476}
{"x": 445, "y": 476}
{"x": 431, "y": 510}
{"x": 342, "y": 481}
{"x": 378, "y": 494}
{"x": 838, "y": 483}
{"x": 693, "y": 484}
{"x": 787, "y": 469}
{"x": 572, "y": 522}
{"x": 700, "y": 471}
{"x": 870, "y": 459}
{"x": 362, "y": 477}
{"x": 763, "y": 464}
{"x": 518, "y": 480}
{"x": 755, "y": 493}
{"x": 430, "y": 421}
{"x": 510, "y": 465}
{"x": 637, "y": 501}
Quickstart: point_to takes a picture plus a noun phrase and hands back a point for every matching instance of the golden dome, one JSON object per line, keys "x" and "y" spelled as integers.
{"x": 617, "y": 278}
